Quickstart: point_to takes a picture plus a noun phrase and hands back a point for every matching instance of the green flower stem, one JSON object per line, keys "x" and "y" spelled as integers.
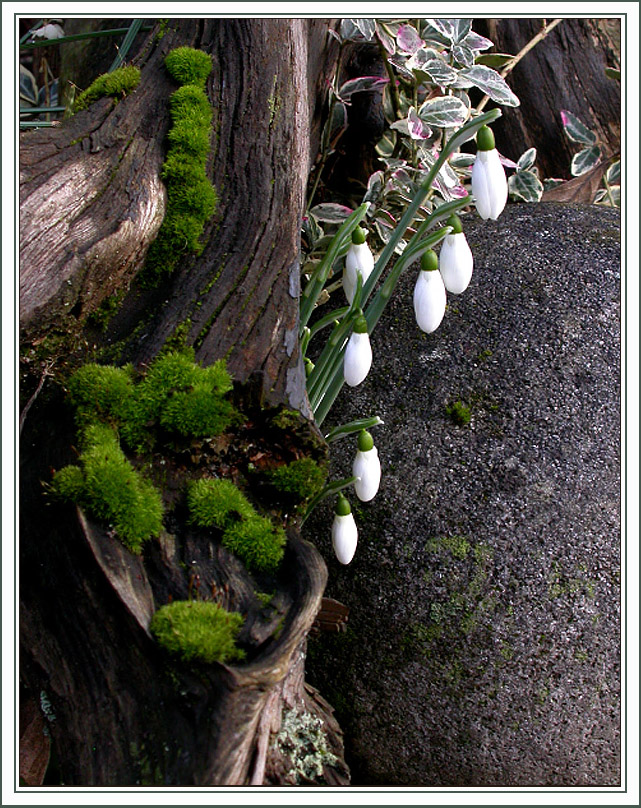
{"x": 42, "y": 43}
{"x": 127, "y": 42}
{"x": 321, "y": 273}
{"x": 328, "y": 490}
{"x": 353, "y": 426}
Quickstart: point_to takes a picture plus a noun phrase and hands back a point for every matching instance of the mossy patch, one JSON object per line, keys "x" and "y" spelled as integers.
{"x": 108, "y": 487}
{"x": 198, "y": 630}
{"x": 191, "y": 197}
{"x": 459, "y": 413}
{"x": 253, "y": 538}
{"x": 116, "y": 85}
{"x": 301, "y": 479}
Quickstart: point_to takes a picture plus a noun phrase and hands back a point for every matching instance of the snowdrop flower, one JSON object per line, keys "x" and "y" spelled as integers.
{"x": 359, "y": 260}
{"x": 366, "y": 468}
{"x": 489, "y": 185}
{"x": 51, "y": 30}
{"x": 358, "y": 353}
{"x": 344, "y": 531}
{"x": 429, "y": 294}
{"x": 455, "y": 260}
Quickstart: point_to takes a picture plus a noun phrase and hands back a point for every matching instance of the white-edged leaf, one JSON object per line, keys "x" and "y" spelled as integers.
{"x": 576, "y": 130}
{"x": 526, "y": 186}
{"x": 614, "y": 173}
{"x": 463, "y": 55}
{"x": 374, "y": 187}
{"x": 359, "y": 85}
{"x": 408, "y": 40}
{"x": 613, "y": 73}
{"x": 462, "y": 160}
{"x": 366, "y": 27}
{"x": 491, "y": 83}
{"x": 387, "y": 40}
{"x": 385, "y": 146}
{"x": 584, "y": 160}
{"x": 477, "y": 42}
{"x": 331, "y": 212}
{"x": 444, "y": 112}
{"x": 439, "y": 72}
{"x": 526, "y": 160}
{"x": 444, "y": 27}
{"x": 552, "y": 182}
{"x": 461, "y": 28}
{"x": 417, "y": 128}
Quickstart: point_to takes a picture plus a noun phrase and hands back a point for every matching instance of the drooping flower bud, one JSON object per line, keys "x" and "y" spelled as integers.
{"x": 366, "y": 468}
{"x": 344, "y": 531}
{"x": 358, "y": 354}
{"x": 456, "y": 261}
{"x": 429, "y": 294}
{"x": 489, "y": 184}
{"x": 359, "y": 260}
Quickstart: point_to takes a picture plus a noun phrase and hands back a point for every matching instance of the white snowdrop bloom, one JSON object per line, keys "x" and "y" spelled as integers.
{"x": 455, "y": 260}
{"x": 344, "y": 531}
{"x": 366, "y": 468}
{"x": 429, "y": 294}
{"x": 51, "y": 30}
{"x": 489, "y": 184}
{"x": 358, "y": 354}
{"x": 359, "y": 259}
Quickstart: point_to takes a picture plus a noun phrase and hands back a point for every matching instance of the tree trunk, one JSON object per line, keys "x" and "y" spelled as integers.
{"x": 117, "y": 709}
{"x": 566, "y": 70}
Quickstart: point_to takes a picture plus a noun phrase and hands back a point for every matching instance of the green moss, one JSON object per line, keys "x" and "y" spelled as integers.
{"x": 217, "y": 503}
{"x": 191, "y": 198}
{"x": 101, "y": 392}
{"x": 459, "y": 546}
{"x": 101, "y": 317}
{"x": 110, "y": 489}
{"x": 197, "y": 412}
{"x": 189, "y": 66}
{"x": 257, "y": 542}
{"x": 198, "y": 630}
{"x": 302, "y": 478}
{"x": 116, "y": 84}
{"x": 459, "y": 413}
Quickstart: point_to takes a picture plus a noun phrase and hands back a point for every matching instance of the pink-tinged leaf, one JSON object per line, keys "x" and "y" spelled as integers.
{"x": 576, "y": 130}
{"x": 408, "y": 40}
{"x": 458, "y": 192}
{"x": 331, "y": 212}
{"x": 507, "y": 162}
{"x": 386, "y": 40}
{"x": 418, "y": 129}
{"x": 360, "y": 85}
{"x": 477, "y": 42}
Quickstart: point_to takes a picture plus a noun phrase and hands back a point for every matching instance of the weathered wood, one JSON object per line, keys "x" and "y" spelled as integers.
{"x": 566, "y": 70}
{"x": 124, "y": 712}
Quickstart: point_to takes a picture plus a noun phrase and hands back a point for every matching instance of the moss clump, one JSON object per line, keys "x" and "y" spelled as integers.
{"x": 117, "y": 85}
{"x": 302, "y": 478}
{"x": 459, "y": 546}
{"x": 176, "y": 393}
{"x": 254, "y": 539}
{"x": 198, "y": 630}
{"x": 217, "y": 503}
{"x": 257, "y": 542}
{"x": 191, "y": 198}
{"x": 109, "y": 488}
{"x": 459, "y": 413}
{"x": 189, "y": 66}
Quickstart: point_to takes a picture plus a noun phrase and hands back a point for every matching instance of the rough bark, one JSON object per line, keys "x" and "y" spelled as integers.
{"x": 566, "y": 70}
{"x": 121, "y": 712}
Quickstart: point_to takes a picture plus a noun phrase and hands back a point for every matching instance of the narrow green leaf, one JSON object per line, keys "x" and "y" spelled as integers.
{"x": 330, "y": 488}
{"x": 494, "y": 59}
{"x": 353, "y": 426}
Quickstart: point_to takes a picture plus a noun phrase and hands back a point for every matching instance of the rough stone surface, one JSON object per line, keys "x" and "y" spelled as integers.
{"x": 483, "y": 643}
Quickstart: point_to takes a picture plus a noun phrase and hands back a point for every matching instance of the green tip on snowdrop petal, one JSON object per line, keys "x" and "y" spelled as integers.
{"x": 360, "y": 325}
{"x": 485, "y": 139}
{"x": 429, "y": 261}
{"x": 365, "y": 441}
{"x": 359, "y": 235}
{"x": 342, "y": 506}
{"x": 455, "y": 223}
